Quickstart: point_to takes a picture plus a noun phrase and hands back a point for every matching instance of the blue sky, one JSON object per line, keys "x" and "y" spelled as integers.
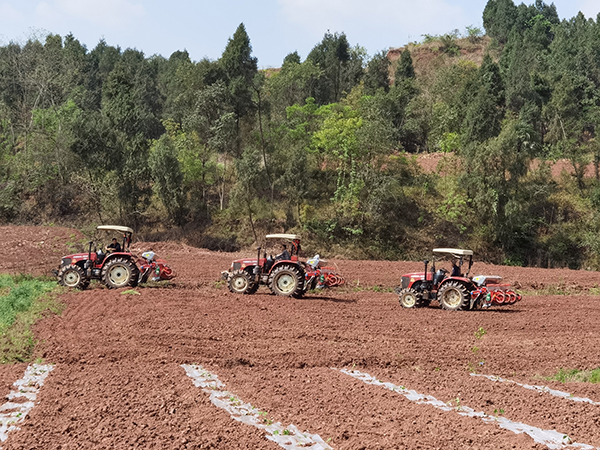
{"x": 275, "y": 27}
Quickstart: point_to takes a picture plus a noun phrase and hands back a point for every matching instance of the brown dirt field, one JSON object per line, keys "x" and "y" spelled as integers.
{"x": 430, "y": 162}
{"x": 118, "y": 381}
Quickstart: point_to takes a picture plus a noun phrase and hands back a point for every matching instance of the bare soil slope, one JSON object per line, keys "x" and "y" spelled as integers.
{"x": 118, "y": 381}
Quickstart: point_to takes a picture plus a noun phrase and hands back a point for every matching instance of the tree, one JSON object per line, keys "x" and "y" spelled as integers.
{"x": 486, "y": 111}
{"x": 493, "y": 174}
{"x": 341, "y": 65}
{"x": 239, "y": 70}
{"x": 293, "y": 84}
{"x": 377, "y": 75}
{"x": 168, "y": 177}
{"x": 499, "y": 16}
{"x": 404, "y": 68}
{"x": 213, "y": 121}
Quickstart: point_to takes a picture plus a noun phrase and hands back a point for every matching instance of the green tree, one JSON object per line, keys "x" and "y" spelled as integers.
{"x": 213, "y": 121}
{"x": 377, "y": 75}
{"x": 293, "y": 84}
{"x": 239, "y": 70}
{"x": 341, "y": 65}
{"x": 168, "y": 177}
{"x": 499, "y": 16}
{"x": 486, "y": 111}
{"x": 404, "y": 67}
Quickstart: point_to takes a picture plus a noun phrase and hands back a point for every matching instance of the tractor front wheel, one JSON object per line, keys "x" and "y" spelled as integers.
{"x": 409, "y": 298}
{"x": 240, "y": 282}
{"x": 120, "y": 272}
{"x": 287, "y": 280}
{"x": 453, "y": 296}
{"x": 73, "y": 276}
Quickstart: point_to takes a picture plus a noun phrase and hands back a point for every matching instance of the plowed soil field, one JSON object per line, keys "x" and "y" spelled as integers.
{"x": 118, "y": 380}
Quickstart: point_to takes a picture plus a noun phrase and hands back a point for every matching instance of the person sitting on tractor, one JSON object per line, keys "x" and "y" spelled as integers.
{"x": 114, "y": 246}
{"x": 455, "y": 269}
{"x": 284, "y": 255}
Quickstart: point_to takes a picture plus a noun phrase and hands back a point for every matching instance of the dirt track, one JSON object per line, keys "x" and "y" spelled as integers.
{"x": 118, "y": 381}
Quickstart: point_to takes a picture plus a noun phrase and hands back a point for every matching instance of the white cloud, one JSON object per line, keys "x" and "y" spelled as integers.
{"x": 407, "y": 16}
{"x": 107, "y": 13}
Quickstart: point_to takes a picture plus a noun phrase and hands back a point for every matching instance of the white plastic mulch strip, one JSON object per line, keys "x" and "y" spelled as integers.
{"x": 288, "y": 437}
{"x": 545, "y": 389}
{"x": 27, "y": 388}
{"x": 550, "y": 438}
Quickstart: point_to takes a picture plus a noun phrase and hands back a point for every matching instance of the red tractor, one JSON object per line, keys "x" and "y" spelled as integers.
{"x": 454, "y": 290}
{"x": 116, "y": 267}
{"x": 284, "y": 274}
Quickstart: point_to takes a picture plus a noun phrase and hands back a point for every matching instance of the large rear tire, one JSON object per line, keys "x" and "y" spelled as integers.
{"x": 73, "y": 276}
{"x": 240, "y": 282}
{"x": 120, "y": 272}
{"x": 453, "y": 296}
{"x": 287, "y": 280}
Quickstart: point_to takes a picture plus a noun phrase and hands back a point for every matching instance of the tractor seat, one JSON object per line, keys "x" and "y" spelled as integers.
{"x": 439, "y": 276}
{"x": 269, "y": 263}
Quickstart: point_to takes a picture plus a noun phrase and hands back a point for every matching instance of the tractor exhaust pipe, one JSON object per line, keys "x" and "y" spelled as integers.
{"x": 257, "y": 267}
{"x": 425, "y": 273}
{"x": 88, "y": 263}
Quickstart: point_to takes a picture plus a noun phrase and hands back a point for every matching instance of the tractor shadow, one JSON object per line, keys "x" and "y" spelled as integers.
{"x": 474, "y": 311}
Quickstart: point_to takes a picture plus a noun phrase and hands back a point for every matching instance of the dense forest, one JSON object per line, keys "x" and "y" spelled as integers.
{"x": 218, "y": 152}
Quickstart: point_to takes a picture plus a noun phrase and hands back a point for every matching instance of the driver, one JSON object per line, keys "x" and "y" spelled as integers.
{"x": 455, "y": 268}
{"x": 284, "y": 255}
{"x": 114, "y": 246}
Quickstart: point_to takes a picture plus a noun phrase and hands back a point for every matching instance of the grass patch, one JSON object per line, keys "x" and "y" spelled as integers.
{"x": 557, "y": 289}
{"x": 130, "y": 292}
{"x": 23, "y": 301}
{"x": 577, "y": 376}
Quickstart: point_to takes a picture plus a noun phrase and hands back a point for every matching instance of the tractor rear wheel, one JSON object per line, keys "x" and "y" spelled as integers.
{"x": 73, "y": 276}
{"x": 120, "y": 272}
{"x": 287, "y": 280}
{"x": 409, "y": 298}
{"x": 240, "y": 282}
{"x": 453, "y": 296}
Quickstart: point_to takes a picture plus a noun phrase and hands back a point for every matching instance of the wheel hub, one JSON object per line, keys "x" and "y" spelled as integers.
{"x": 452, "y": 298}
{"x": 239, "y": 283}
{"x": 71, "y": 278}
{"x": 409, "y": 299}
{"x": 119, "y": 275}
{"x": 286, "y": 283}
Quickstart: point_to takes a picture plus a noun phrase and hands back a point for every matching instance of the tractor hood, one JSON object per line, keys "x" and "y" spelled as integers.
{"x": 414, "y": 276}
{"x": 75, "y": 258}
{"x": 241, "y": 264}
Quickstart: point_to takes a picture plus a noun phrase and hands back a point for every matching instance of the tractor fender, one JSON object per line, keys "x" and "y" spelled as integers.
{"x": 466, "y": 282}
{"x": 112, "y": 256}
{"x": 289, "y": 263}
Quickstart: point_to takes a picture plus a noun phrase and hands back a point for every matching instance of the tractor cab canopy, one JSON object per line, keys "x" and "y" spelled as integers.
{"x": 289, "y": 237}
{"x": 294, "y": 238}
{"x": 458, "y": 254}
{"x": 455, "y": 252}
{"x": 127, "y": 233}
